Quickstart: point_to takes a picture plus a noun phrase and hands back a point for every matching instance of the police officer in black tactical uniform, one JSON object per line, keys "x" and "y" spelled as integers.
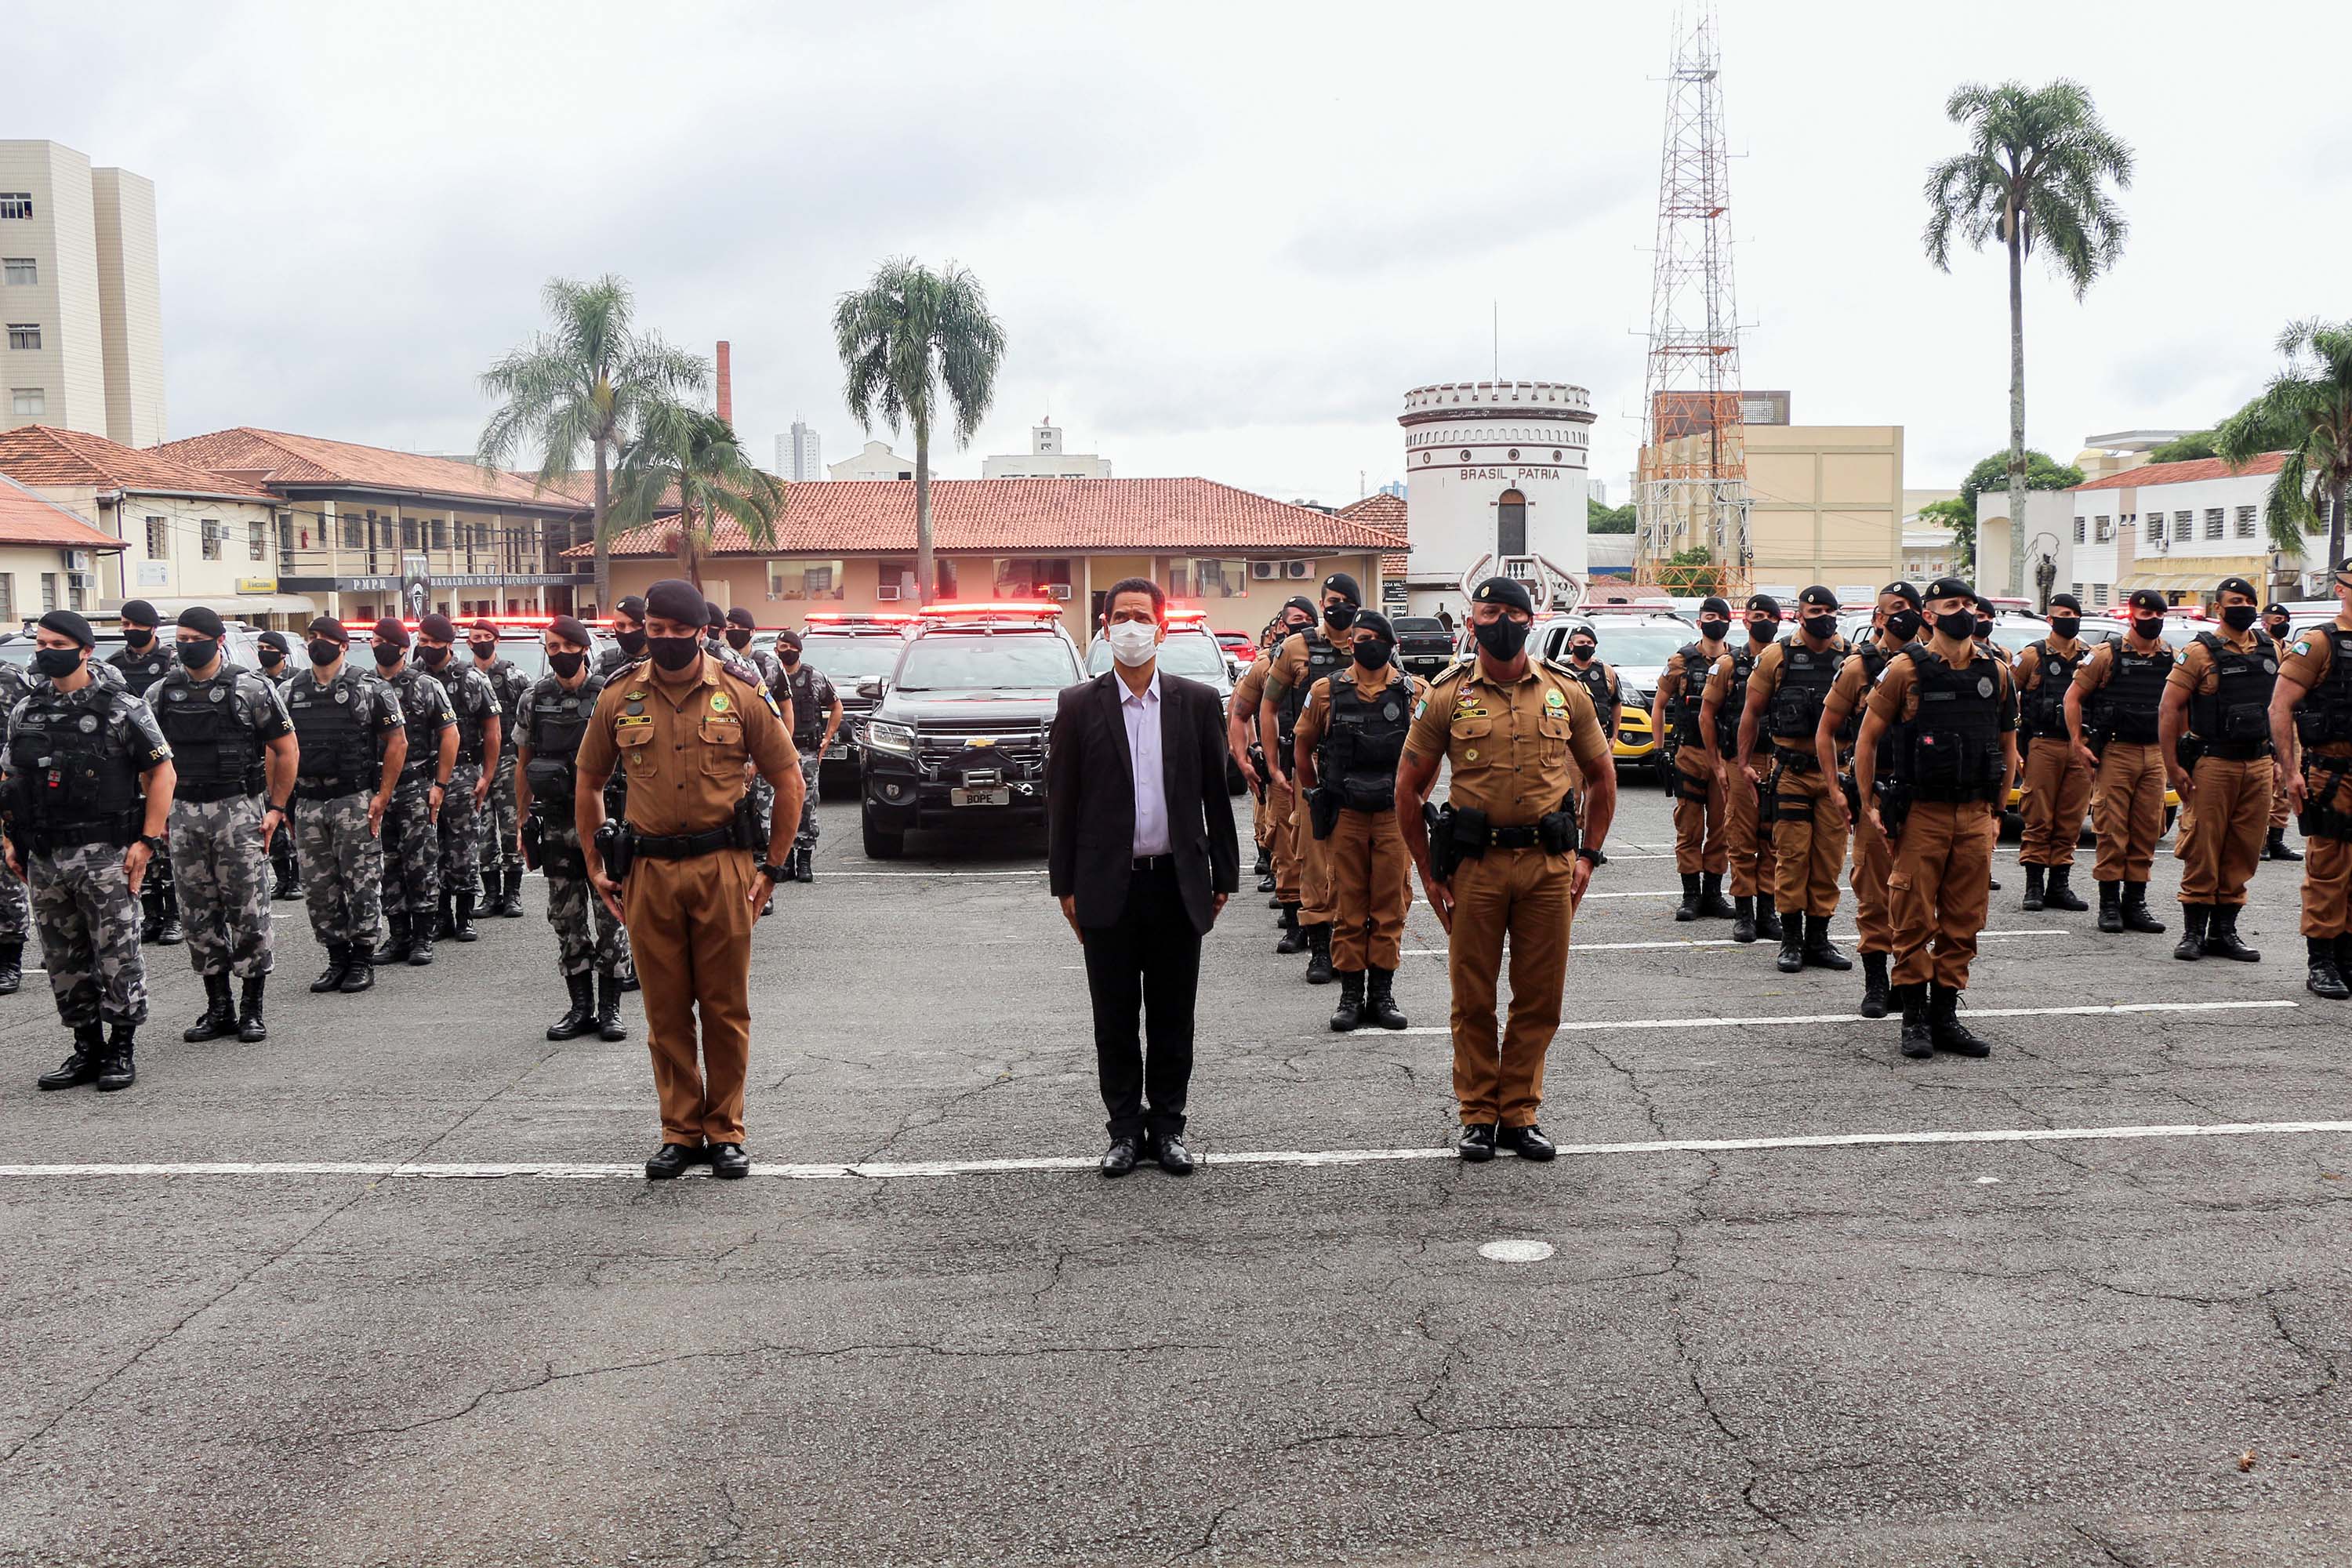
{"x": 2278, "y": 623}
{"x": 587, "y": 934}
{"x": 816, "y": 715}
{"x": 143, "y": 660}
{"x": 501, "y": 866}
{"x": 276, "y": 656}
{"x": 628, "y": 635}
{"x": 1598, "y": 677}
{"x": 352, "y": 748}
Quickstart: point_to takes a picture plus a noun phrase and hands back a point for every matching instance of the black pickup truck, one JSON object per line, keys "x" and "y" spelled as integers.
{"x": 1423, "y": 644}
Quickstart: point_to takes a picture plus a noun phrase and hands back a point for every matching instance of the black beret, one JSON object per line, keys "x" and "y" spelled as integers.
{"x": 1345, "y": 584}
{"x": 1950, "y": 588}
{"x": 712, "y": 615}
{"x": 1299, "y": 602}
{"x": 1592, "y": 632}
{"x": 1907, "y": 592}
{"x": 740, "y": 617}
{"x": 1765, "y": 603}
{"x": 197, "y": 618}
{"x": 2237, "y": 586}
{"x": 2343, "y": 567}
{"x": 391, "y": 633}
{"x": 1377, "y": 623}
{"x": 2065, "y": 602}
{"x": 2275, "y": 610}
{"x": 2148, "y": 599}
{"x": 439, "y": 627}
{"x": 571, "y": 631}
{"x": 329, "y": 628}
{"x": 1711, "y": 605}
{"x": 675, "y": 599}
{"x": 632, "y": 606}
{"x": 67, "y": 624}
{"x": 788, "y": 638}
{"x": 277, "y": 640}
{"x": 1506, "y": 592}
{"x": 1819, "y": 597}
{"x": 138, "y": 612}
{"x": 484, "y": 624}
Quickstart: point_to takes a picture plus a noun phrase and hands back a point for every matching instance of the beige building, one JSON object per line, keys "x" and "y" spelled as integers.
{"x": 1046, "y": 459}
{"x": 81, "y": 296}
{"x": 1826, "y": 504}
{"x": 47, "y": 556}
{"x": 874, "y": 460}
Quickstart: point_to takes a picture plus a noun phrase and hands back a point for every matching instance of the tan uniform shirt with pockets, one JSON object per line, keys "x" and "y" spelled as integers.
{"x": 683, "y": 745}
{"x": 1515, "y": 750}
{"x": 2305, "y": 662}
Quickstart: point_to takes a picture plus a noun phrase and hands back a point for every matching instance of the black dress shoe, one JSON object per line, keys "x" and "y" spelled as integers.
{"x": 1528, "y": 1142}
{"x": 728, "y": 1162}
{"x": 1477, "y": 1144}
{"x": 674, "y": 1160}
{"x": 1266, "y": 883}
{"x": 1120, "y": 1157}
{"x": 1174, "y": 1158}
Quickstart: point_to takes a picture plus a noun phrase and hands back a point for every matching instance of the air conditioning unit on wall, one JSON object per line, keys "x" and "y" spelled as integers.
{"x": 1057, "y": 590}
{"x": 1265, "y": 571}
{"x": 888, "y": 592}
{"x": 1298, "y": 569}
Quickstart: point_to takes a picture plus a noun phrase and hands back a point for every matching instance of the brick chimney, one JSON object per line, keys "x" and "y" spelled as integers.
{"x": 726, "y": 386}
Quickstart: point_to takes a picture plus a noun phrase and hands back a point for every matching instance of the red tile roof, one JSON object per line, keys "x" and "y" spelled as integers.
{"x": 1386, "y": 511}
{"x": 275, "y": 458}
{"x": 1161, "y": 516}
{"x": 44, "y": 454}
{"x": 2182, "y": 473}
{"x": 28, "y": 518}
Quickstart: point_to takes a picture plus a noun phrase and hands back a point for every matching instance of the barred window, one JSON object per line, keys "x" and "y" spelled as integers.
{"x": 2213, "y": 522}
{"x": 2245, "y": 523}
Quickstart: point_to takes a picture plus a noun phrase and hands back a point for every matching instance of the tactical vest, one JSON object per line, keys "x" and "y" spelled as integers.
{"x": 141, "y": 671}
{"x": 558, "y": 719}
{"x": 2324, "y": 718}
{"x": 1683, "y": 713}
{"x": 215, "y": 752}
{"x": 2046, "y": 705}
{"x": 1734, "y": 699}
{"x": 808, "y": 722}
{"x": 1324, "y": 658}
{"x": 73, "y": 783}
{"x": 2129, "y": 701}
{"x": 420, "y": 723}
{"x": 1359, "y": 751}
{"x": 2233, "y": 720}
{"x": 1806, "y": 677}
{"x": 469, "y": 725}
{"x": 1597, "y": 684}
{"x": 339, "y": 753}
{"x": 1951, "y": 748}
{"x": 1875, "y": 660}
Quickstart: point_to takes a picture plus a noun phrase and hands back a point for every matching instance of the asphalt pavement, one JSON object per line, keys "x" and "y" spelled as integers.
{"x": 278, "y": 1303}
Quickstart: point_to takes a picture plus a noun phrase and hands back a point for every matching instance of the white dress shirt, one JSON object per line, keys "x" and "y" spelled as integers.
{"x": 1141, "y": 710}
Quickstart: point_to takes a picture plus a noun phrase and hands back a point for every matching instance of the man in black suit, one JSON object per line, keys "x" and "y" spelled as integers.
{"x": 1142, "y": 854}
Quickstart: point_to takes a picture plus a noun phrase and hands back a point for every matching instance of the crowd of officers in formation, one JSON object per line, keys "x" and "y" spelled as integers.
{"x": 1784, "y": 755}
{"x": 169, "y": 794}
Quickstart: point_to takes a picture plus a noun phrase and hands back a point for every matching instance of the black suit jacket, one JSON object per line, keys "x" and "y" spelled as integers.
{"x": 1090, "y": 799}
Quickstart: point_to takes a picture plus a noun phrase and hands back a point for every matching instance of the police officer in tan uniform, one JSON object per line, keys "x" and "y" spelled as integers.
{"x": 1250, "y": 710}
{"x": 1786, "y": 691}
{"x": 2111, "y": 712}
{"x": 2280, "y": 626}
{"x": 2217, "y": 705}
{"x": 2057, "y": 783}
{"x": 1303, "y": 659}
{"x": 1241, "y": 740}
{"x": 1519, "y": 735}
{"x": 1693, "y": 779}
{"x": 1895, "y": 625}
{"x": 687, "y": 724}
{"x": 1748, "y": 834}
{"x": 2311, "y": 711}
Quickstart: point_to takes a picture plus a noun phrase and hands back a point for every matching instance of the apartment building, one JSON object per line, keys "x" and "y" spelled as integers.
{"x": 81, "y": 296}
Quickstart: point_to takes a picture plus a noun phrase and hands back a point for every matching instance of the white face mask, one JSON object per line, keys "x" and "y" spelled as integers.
{"x": 1132, "y": 642}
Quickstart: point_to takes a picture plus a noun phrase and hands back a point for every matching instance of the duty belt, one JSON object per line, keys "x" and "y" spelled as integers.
{"x": 1795, "y": 761}
{"x": 1526, "y": 837}
{"x": 327, "y": 788}
{"x": 685, "y": 845}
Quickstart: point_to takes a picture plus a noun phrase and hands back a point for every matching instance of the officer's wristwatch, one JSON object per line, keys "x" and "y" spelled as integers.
{"x": 155, "y": 842}
{"x": 1591, "y": 855}
{"x": 773, "y": 873}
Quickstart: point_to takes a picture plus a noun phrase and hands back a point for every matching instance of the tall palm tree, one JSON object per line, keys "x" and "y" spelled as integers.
{"x": 589, "y": 382}
{"x": 2035, "y": 174}
{"x": 2307, "y": 413}
{"x": 692, "y": 459}
{"x": 905, "y": 335}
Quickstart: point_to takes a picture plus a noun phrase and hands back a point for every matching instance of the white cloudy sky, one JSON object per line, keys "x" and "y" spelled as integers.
{"x": 1224, "y": 239}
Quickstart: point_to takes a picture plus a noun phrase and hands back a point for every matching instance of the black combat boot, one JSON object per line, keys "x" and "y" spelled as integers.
{"x": 116, "y": 1069}
{"x": 169, "y": 934}
{"x": 445, "y": 924}
{"x": 249, "y": 1026}
{"x": 219, "y": 1016}
{"x": 150, "y": 908}
{"x": 805, "y": 870}
{"x": 2221, "y": 938}
{"x": 1688, "y": 908}
{"x": 1351, "y": 1001}
{"x": 1818, "y": 950}
{"x": 628, "y": 974}
{"x": 1768, "y": 919}
{"x": 1918, "y": 1042}
{"x": 581, "y": 1016}
{"x": 2325, "y": 978}
{"x": 339, "y": 959}
{"x": 1294, "y": 935}
{"x": 281, "y": 877}
{"x": 2033, "y": 874}
{"x": 608, "y": 1010}
{"x": 491, "y": 872}
{"x": 461, "y": 925}
{"x": 90, "y": 1047}
{"x": 1874, "y": 986}
{"x": 1994, "y": 882}
{"x": 2111, "y": 907}
{"x": 1266, "y": 881}
{"x": 359, "y": 973}
{"x": 2136, "y": 915}
{"x": 2274, "y": 848}
{"x": 1743, "y": 919}
{"x": 420, "y": 944}
{"x": 396, "y": 942}
{"x": 2058, "y": 895}
{"x": 1792, "y": 943}
{"x": 11, "y": 967}
{"x": 511, "y": 901}
{"x": 1945, "y": 1029}
{"x": 1711, "y": 906}
{"x": 1265, "y": 866}
{"x": 2191, "y": 945}
{"x": 1379, "y": 999}
{"x": 1318, "y": 955}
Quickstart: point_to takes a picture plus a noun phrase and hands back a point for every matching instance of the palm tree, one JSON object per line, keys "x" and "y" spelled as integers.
{"x": 2035, "y": 174}
{"x": 900, "y": 338}
{"x": 590, "y": 382}
{"x": 693, "y": 456}
{"x": 2307, "y": 413}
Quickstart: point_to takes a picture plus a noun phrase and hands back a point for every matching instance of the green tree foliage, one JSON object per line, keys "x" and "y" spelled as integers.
{"x": 692, "y": 459}
{"x": 1599, "y": 518}
{"x": 2307, "y": 413}
{"x": 1959, "y": 517}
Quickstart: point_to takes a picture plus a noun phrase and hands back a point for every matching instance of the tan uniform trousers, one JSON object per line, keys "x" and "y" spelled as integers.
{"x": 1368, "y": 890}
{"x": 1808, "y": 843}
{"x": 1314, "y": 865}
{"x": 1260, "y": 823}
{"x": 1698, "y": 824}
{"x": 1747, "y": 844}
{"x": 2057, "y": 793}
{"x": 1522, "y": 893}
{"x": 2130, "y": 811}
{"x": 691, "y": 926}
{"x": 1281, "y": 836}
{"x": 2326, "y": 864}
{"x": 2224, "y": 839}
{"x": 1939, "y": 889}
{"x": 1874, "y": 920}
{"x": 2278, "y": 810}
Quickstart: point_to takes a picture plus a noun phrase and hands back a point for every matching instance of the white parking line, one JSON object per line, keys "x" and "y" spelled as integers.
{"x": 946, "y": 871}
{"x": 1583, "y": 1025}
{"x": 933, "y": 1169}
{"x": 1719, "y": 941}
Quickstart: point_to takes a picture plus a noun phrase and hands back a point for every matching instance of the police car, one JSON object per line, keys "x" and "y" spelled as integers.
{"x": 1194, "y": 652}
{"x": 851, "y": 650}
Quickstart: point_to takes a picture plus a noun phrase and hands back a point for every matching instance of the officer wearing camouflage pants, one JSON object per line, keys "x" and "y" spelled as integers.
{"x": 15, "y": 904}
{"x": 412, "y": 839}
{"x": 740, "y": 628}
{"x": 143, "y": 660}
{"x": 234, "y": 754}
{"x": 480, "y": 737}
{"x": 276, "y": 655}
{"x": 353, "y": 747}
{"x": 90, "y": 785}
{"x": 588, "y": 938}
{"x": 501, "y": 866}
{"x": 816, "y": 717}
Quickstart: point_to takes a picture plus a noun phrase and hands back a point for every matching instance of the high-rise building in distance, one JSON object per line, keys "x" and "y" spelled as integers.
{"x": 81, "y": 296}
{"x": 801, "y": 455}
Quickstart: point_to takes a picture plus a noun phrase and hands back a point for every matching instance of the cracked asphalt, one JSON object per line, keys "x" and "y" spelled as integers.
{"x": 2114, "y": 1352}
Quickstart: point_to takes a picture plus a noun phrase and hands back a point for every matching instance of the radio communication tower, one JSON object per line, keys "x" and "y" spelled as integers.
{"x": 1692, "y": 488}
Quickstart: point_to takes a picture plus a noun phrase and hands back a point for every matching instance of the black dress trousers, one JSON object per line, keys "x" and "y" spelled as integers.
{"x": 1147, "y": 963}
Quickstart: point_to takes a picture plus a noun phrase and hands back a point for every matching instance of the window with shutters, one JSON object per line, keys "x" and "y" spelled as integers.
{"x": 2078, "y": 531}
{"x": 213, "y": 534}
{"x": 2213, "y": 522}
{"x": 2103, "y": 529}
{"x": 2183, "y": 525}
{"x": 2156, "y": 528}
{"x": 2245, "y": 523}
{"x": 2099, "y": 595}
{"x": 159, "y": 539}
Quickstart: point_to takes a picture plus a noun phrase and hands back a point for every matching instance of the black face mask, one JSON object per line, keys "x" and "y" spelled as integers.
{"x": 1502, "y": 638}
{"x": 674, "y": 653}
{"x": 57, "y": 662}
{"x": 1374, "y": 653}
{"x": 2065, "y": 625}
{"x": 2149, "y": 629}
{"x": 2277, "y": 626}
{"x": 136, "y": 639}
{"x": 1903, "y": 624}
{"x": 484, "y": 652}
{"x": 1714, "y": 631}
{"x": 631, "y": 643}
{"x": 789, "y": 656}
{"x": 1581, "y": 652}
{"x": 270, "y": 658}
{"x": 386, "y": 655}
{"x": 1959, "y": 626}
{"x": 2238, "y": 617}
{"x": 324, "y": 650}
{"x": 1764, "y": 631}
{"x": 198, "y": 652}
{"x": 739, "y": 640}
{"x": 1820, "y": 628}
{"x": 566, "y": 665}
{"x": 1984, "y": 624}
{"x": 1339, "y": 617}
{"x": 434, "y": 658}
{"x": 1295, "y": 628}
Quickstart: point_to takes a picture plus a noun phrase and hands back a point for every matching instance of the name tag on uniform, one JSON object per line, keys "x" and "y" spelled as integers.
{"x": 625, "y": 721}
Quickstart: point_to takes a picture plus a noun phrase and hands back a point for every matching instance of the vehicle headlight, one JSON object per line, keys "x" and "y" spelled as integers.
{"x": 885, "y": 737}
{"x": 1634, "y": 696}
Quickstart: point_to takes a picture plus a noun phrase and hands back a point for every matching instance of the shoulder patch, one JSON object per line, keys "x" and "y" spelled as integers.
{"x": 2302, "y": 646}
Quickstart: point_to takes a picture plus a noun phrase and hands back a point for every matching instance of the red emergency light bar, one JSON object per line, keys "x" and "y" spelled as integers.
{"x": 983, "y": 608}
{"x": 863, "y": 618}
{"x": 1189, "y": 617}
